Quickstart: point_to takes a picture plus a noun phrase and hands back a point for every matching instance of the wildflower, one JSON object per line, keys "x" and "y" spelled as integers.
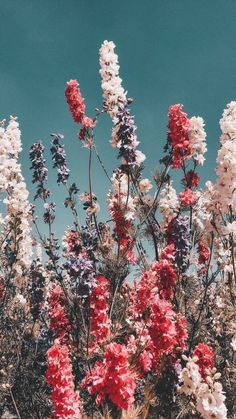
{"x": 168, "y": 203}
{"x": 75, "y": 101}
{"x": 112, "y": 378}
{"x": 66, "y": 403}
{"x": 99, "y": 319}
{"x": 197, "y": 139}
{"x": 59, "y": 321}
{"x": 191, "y": 179}
{"x": 205, "y": 357}
{"x": 204, "y": 253}
{"x": 59, "y": 159}
{"x": 145, "y": 185}
{"x": 187, "y": 197}
{"x": 178, "y": 135}
{"x": 40, "y": 172}
{"x": 113, "y": 92}
{"x": 178, "y": 232}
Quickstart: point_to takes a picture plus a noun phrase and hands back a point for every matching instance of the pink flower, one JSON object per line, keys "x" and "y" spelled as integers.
{"x": 59, "y": 321}
{"x": 87, "y": 122}
{"x": 66, "y": 404}
{"x": 191, "y": 179}
{"x": 99, "y": 319}
{"x": 187, "y": 197}
{"x": 178, "y": 135}
{"x": 75, "y": 101}
{"x": 205, "y": 359}
{"x": 112, "y": 378}
{"x": 204, "y": 253}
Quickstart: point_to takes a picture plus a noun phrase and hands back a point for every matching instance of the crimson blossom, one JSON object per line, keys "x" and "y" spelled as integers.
{"x": 59, "y": 376}
{"x": 112, "y": 377}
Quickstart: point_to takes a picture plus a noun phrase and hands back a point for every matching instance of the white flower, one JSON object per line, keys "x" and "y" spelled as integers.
{"x": 168, "y": 203}
{"x": 197, "y": 137}
{"x": 233, "y": 343}
{"x": 12, "y": 184}
{"x": 113, "y": 91}
{"x": 145, "y": 185}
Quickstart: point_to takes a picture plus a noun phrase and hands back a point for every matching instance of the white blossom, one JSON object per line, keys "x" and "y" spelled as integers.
{"x": 12, "y": 184}
{"x": 168, "y": 203}
{"x": 197, "y": 137}
{"x": 113, "y": 92}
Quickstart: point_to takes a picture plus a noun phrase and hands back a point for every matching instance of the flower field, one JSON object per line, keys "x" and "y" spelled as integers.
{"x": 130, "y": 317}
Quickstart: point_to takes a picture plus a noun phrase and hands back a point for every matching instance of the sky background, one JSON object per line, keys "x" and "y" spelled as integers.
{"x": 170, "y": 51}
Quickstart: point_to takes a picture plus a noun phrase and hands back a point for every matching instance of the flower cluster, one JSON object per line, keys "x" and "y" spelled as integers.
{"x": 187, "y": 198}
{"x": 197, "y": 139}
{"x": 100, "y": 322}
{"x": 168, "y": 203}
{"x": 59, "y": 322}
{"x": 125, "y": 139}
{"x": 114, "y": 311}
{"x": 186, "y": 136}
{"x": 17, "y": 223}
{"x": 226, "y": 172}
{"x": 179, "y": 234}
{"x": 208, "y": 392}
{"x": 59, "y": 159}
{"x": 178, "y": 135}
{"x": 40, "y": 172}
{"x": 76, "y": 104}
{"x": 112, "y": 378}
{"x": 122, "y": 208}
{"x": 66, "y": 402}
{"x": 204, "y": 253}
{"x": 113, "y": 92}
{"x": 205, "y": 359}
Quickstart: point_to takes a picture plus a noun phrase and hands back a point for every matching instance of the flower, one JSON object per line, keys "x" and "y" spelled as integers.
{"x": 59, "y": 321}
{"x": 99, "y": 319}
{"x": 204, "y": 253}
{"x": 233, "y": 343}
{"x": 124, "y": 137}
{"x": 113, "y": 92}
{"x": 17, "y": 244}
{"x": 205, "y": 358}
{"x": 40, "y": 172}
{"x": 191, "y": 179}
{"x": 226, "y": 161}
{"x": 112, "y": 378}
{"x": 59, "y": 159}
{"x": 168, "y": 203}
{"x": 197, "y": 139}
{"x": 178, "y": 135}
{"x": 145, "y": 185}
{"x": 66, "y": 403}
{"x": 75, "y": 101}
{"x": 178, "y": 232}
{"x": 188, "y": 197}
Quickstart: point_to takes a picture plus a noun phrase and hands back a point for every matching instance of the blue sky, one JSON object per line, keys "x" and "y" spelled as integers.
{"x": 170, "y": 51}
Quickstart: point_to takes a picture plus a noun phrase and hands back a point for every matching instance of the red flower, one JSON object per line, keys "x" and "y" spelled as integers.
{"x": 99, "y": 320}
{"x": 112, "y": 378}
{"x": 59, "y": 376}
{"x": 166, "y": 278}
{"x": 77, "y": 107}
{"x": 187, "y": 197}
{"x": 59, "y": 322}
{"x": 178, "y": 135}
{"x": 204, "y": 253}
{"x": 191, "y": 179}
{"x": 75, "y": 101}
{"x": 205, "y": 357}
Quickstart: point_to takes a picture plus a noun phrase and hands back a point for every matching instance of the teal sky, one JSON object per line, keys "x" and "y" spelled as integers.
{"x": 170, "y": 51}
